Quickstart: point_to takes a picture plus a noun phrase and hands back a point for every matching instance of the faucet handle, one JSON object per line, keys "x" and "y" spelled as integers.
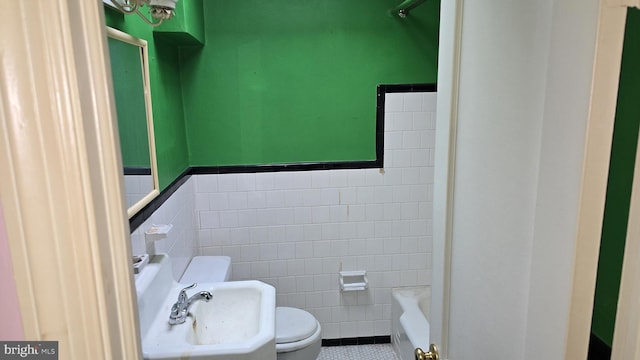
{"x": 182, "y": 297}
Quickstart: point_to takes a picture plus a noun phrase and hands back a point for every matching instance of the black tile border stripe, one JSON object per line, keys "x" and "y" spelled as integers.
{"x": 380, "y": 123}
{"x": 367, "y": 340}
{"x": 240, "y": 169}
{"x": 382, "y": 89}
{"x": 130, "y": 170}
{"x": 396, "y": 88}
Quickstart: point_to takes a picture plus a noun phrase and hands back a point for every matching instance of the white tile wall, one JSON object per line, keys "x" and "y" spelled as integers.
{"x": 181, "y": 242}
{"x": 136, "y": 187}
{"x": 295, "y": 229}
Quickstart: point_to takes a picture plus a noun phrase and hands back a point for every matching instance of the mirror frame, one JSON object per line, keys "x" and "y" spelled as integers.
{"x": 144, "y": 58}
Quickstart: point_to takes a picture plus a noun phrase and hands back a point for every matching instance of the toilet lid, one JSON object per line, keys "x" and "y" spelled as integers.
{"x": 293, "y": 325}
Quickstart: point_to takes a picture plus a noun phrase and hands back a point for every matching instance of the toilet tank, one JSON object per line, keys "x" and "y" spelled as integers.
{"x": 207, "y": 269}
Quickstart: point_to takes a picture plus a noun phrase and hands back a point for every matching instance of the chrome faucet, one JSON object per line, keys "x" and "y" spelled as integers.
{"x": 180, "y": 309}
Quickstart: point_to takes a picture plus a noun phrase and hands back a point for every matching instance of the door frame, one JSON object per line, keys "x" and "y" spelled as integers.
{"x": 61, "y": 184}
{"x": 604, "y": 95}
{"x": 626, "y": 336}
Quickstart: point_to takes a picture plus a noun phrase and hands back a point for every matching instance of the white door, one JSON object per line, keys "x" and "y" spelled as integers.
{"x": 527, "y": 95}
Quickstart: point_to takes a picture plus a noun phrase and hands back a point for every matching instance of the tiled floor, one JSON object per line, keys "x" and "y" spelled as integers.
{"x": 358, "y": 352}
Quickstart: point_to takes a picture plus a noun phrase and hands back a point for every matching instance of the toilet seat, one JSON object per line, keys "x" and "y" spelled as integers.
{"x": 295, "y": 329}
{"x": 293, "y": 325}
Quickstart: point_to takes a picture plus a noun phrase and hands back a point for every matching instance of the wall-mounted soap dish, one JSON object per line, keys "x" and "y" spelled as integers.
{"x": 155, "y": 233}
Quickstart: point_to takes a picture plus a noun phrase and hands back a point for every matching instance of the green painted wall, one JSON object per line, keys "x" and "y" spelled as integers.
{"x": 295, "y": 81}
{"x": 166, "y": 90}
{"x": 277, "y": 82}
{"x": 625, "y": 140}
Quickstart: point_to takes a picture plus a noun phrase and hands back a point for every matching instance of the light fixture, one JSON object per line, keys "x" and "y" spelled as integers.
{"x": 160, "y": 9}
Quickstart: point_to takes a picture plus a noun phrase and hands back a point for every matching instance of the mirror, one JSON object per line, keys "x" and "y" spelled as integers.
{"x": 130, "y": 73}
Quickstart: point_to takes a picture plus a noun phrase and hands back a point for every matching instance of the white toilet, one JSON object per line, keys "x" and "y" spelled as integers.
{"x": 298, "y": 333}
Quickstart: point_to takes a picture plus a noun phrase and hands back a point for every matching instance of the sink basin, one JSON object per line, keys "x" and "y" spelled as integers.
{"x": 238, "y": 323}
{"x": 229, "y": 317}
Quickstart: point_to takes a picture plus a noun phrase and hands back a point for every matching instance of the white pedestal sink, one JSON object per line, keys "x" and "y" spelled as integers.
{"x": 238, "y": 323}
